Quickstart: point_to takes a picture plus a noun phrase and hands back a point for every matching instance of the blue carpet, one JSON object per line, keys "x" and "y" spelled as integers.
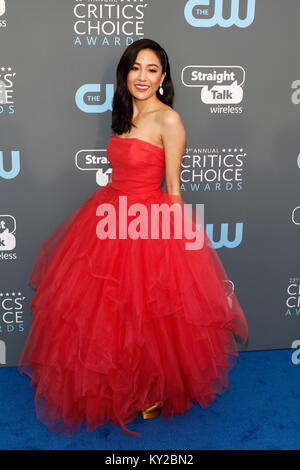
{"x": 261, "y": 410}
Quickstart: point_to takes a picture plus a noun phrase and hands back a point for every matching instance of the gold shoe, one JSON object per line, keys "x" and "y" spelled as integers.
{"x": 152, "y": 411}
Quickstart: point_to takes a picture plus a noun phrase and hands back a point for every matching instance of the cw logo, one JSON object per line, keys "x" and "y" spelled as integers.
{"x": 223, "y": 241}
{"x": 296, "y": 215}
{"x": 2, "y": 7}
{"x": 15, "y": 165}
{"x": 84, "y": 90}
{"x": 217, "y": 18}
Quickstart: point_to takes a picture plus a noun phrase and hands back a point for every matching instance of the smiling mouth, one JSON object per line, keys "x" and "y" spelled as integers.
{"x": 142, "y": 87}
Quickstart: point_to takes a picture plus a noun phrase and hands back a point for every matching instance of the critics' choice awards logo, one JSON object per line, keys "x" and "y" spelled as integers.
{"x": 218, "y": 85}
{"x": 210, "y": 169}
{"x": 7, "y": 77}
{"x": 224, "y": 13}
{"x": 7, "y": 237}
{"x": 108, "y": 23}
{"x": 95, "y": 160}
{"x": 293, "y": 298}
{"x": 11, "y": 312}
{"x": 2, "y": 13}
{"x": 10, "y": 169}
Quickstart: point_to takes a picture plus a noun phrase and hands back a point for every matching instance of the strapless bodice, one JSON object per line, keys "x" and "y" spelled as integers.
{"x": 137, "y": 165}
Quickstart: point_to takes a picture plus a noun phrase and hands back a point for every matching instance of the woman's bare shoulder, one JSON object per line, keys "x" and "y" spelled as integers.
{"x": 169, "y": 123}
{"x": 168, "y": 115}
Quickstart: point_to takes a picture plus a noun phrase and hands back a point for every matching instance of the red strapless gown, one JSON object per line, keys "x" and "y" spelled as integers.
{"x": 119, "y": 324}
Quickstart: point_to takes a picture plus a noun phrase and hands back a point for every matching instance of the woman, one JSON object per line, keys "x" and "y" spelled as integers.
{"x": 127, "y": 324}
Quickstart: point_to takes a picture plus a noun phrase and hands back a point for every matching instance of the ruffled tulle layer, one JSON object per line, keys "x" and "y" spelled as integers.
{"x": 119, "y": 324}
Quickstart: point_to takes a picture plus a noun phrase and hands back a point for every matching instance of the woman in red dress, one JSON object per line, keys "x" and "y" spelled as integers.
{"x": 131, "y": 324}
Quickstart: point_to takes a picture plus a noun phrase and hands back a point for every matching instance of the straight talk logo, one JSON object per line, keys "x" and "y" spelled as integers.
{"x": 3, "y": 22}
{"x": 2, "y": 7}
{"x": 219, "y": 84}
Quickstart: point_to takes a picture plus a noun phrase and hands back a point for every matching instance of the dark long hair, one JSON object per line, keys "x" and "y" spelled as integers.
{"x": 122, "y": 108}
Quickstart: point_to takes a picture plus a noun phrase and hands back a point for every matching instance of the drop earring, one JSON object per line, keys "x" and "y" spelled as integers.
{"x": 161, "y": 90}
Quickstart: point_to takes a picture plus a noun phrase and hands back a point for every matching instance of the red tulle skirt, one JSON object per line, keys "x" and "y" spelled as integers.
{"x": 119, "y": 324}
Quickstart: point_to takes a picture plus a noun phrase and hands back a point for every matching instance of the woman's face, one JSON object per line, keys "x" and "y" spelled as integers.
{"x": 147, "y": 72}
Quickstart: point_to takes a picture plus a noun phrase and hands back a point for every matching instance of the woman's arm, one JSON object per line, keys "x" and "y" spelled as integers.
{"x": 174, "y": 139}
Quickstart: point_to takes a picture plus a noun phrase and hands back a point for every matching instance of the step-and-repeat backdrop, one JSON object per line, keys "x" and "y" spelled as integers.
{"x": 235, "y": 68}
